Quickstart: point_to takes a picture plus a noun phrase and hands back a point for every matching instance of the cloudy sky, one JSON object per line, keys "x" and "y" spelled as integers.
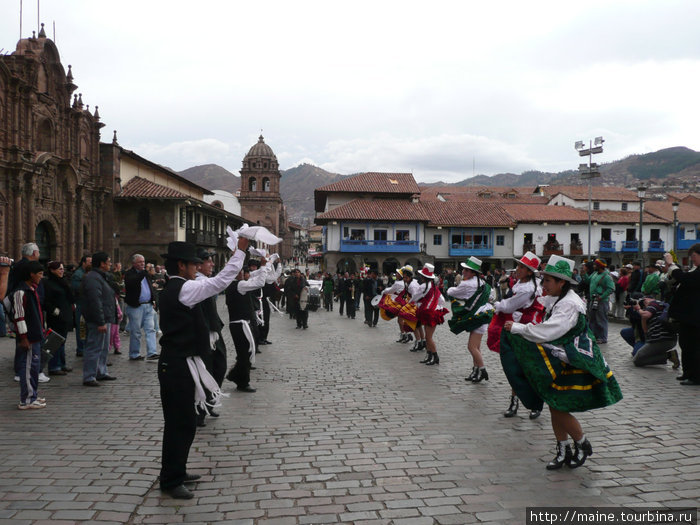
{"x": 440, "y": 89}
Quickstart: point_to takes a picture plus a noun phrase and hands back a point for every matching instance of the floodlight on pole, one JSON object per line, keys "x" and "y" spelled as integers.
{"x": 589, "y": 172}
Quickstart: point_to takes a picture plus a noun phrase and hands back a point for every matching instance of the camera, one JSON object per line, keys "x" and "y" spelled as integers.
{"x": 5, "y": 265}
{"x": 634, "y": 299}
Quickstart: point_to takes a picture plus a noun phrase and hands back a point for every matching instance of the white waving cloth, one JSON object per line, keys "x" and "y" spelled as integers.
{"x": 202, "y": 379}
{"x": 249, "y": 336}
{"x": 272, "y": 305}
{"x": 257, "y": 252}
{"x": 258, "y": 233}
{"x": 232, "y": 239}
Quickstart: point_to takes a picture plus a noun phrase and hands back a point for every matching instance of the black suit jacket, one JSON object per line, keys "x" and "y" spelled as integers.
{"x": 132, "y": 285}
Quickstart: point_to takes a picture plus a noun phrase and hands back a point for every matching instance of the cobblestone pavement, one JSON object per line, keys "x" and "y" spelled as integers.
{"x": 346, "y": 427}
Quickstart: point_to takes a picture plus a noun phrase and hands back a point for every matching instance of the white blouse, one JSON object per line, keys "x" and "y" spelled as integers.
{"x": 521, "y": 299}
{"x": 465, "y": 289}
{"x": 563, "y": 318}
{"x": 396, "y": 288}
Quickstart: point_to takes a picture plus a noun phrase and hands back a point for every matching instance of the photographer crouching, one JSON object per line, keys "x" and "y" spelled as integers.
{"x": 649, "y": 336}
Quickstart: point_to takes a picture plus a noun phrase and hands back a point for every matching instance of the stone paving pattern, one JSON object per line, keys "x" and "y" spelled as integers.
{"x": 346, "y": 427}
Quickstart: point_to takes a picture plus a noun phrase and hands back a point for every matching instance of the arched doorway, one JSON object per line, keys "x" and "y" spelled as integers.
{"x": 390, "y": 265}
{"x": 346, "y": 265}
{"x": 46, "y": 240}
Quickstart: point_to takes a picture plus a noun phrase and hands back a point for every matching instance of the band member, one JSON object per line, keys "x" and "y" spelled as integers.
{"x": 241, "y": 316}
{"x": 431, "y": 310}
{"x": 476, "y": 316}
{"x": 519, "y": 304}
{"x": 215, "y": 358}
{"x": 559, "y": 361}
{"x": 181, "y": 372}
{"x": 269, "y": 292}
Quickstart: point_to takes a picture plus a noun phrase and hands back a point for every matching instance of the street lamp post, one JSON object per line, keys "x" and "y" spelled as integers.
{"x": 641, "y": 193}
{"x": 675, "y": 206}
{"x": 589, "y": 172}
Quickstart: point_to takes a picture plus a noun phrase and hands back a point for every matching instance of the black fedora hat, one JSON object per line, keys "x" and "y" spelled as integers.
{"x": 203, "y": 253}
{"x": 182, "y": 251}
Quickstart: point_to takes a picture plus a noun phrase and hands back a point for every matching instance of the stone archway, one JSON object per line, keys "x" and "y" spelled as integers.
{"x": 390, "y": 265}
{"x": 346, "y": 265}
{"x": 415, "y": 262}
{"x": 45, "y": 238}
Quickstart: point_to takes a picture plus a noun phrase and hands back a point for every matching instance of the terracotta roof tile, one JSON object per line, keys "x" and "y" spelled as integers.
{"x": 687, "y": 210}
{"x": 545, "y": 213}
{"x": 373, "y": 182}
{"x": 599, "y": 193}
{"x": 476, "y": 214}
{"x": 376, "y": 210}
{"x": 145, "y": 189}
{"x": 624, "y": 217}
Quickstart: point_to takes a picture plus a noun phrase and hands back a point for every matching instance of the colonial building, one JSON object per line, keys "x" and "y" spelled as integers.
{"x": 51, "y": 189}
{"x": 154, "y": 205}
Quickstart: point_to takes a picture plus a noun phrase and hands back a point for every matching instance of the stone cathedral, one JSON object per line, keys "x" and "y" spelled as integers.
{"x": 51, "y": 191}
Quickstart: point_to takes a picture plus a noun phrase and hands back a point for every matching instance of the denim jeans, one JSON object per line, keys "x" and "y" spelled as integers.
{"x": 628, "y": 335}
{"x": 140, "y": 318}
{"x": 58, "y": 361}
{"x": 80, "y": 343}
{"x": 95, "y": 352}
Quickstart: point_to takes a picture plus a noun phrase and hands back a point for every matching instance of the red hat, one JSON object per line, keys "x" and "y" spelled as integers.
{"x": 530, "y": 260}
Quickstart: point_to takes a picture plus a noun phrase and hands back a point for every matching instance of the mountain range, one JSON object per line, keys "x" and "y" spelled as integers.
{"x": 673, "y": 168}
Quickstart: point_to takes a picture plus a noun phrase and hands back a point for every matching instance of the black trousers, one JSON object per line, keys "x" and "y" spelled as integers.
{"x": 264, "y": 329}
{"x": 240, "y": 373}
{"x": 371, "y": 313}
{"x": 218, "y": 361}
{"x": 350, "y": 307}
{"x": 341, "y": 301}
{"x": 177, "y": 398}
{"x": 688, "y": 337}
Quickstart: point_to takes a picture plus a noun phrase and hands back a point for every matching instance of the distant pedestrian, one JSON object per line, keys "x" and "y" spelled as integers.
{"x": 140, "y": 309}
{"x": 58, "y": 304}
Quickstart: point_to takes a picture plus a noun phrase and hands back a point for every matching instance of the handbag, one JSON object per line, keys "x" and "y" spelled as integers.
{"x": 52, "y": 342}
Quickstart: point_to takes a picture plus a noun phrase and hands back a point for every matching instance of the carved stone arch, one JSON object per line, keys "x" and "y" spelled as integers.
{"x": 84, "y": 140}
{"x": 252, "y": 184}
{"x": 45, "y": 135}
{"x": 69, "y": 178}
{"x": 47, "y": 234}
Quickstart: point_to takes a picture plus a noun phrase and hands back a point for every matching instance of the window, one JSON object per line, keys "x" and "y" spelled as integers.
{"x": 345, "y": 232}
{"x": 402, "y": 235}
{"x": 500, "y": 240}
{"x": 624, "y": 206}
{"x": 527, "y": 238}
{"x": 253, "y": 184}
{"x": 357, "y": 235}
{"x": 655, "y": 234}
{"x": 596, "y": 205}
{"x": 266, "y": 184}
{"x": 380, "y": 235}
{"x": 437, "y": 239}
{"x": 631, "y": 234}
{"x": 605, "y": 234}
{"x": 471, "y": 239}
{"x": 183, "y": 217}
{"x": 45, "y": 136}
{"x": 143, "y": 219}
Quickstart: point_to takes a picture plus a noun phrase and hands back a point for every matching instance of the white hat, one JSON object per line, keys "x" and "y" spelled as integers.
{"x": 427, "y": 271}
{"x": 408, "y": 268}
{"x": 561, "y": 268}
{"x": 530, "y": 260}
{"x": 472, "y": 264}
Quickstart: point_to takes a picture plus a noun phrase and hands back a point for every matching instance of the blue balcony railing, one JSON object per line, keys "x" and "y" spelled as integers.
{"x": 656, "y": 246}
{"x": 461, "y": 250}
{"x": 630, "y": 246}
{"x": 347, "y": 245}
{"x": 607, "y": 246}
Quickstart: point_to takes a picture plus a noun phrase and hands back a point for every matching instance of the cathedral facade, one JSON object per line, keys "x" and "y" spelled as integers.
{"x": 51, "y": 190}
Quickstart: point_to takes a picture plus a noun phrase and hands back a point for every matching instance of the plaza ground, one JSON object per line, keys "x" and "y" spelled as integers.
{"x": 346, "y": 427}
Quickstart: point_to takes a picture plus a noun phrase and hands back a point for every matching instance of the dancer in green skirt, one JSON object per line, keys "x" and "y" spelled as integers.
{"x": 559, "y": 361}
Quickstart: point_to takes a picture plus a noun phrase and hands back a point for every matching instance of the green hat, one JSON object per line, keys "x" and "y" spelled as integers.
{"x": 561, "y": 268}
{"x": 472, "y": 264}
